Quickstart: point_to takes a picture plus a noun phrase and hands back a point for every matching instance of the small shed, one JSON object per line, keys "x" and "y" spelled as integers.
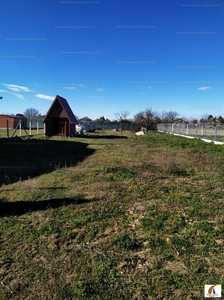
{"x": 12, "y": 121}
{"x": 60, "y": 120}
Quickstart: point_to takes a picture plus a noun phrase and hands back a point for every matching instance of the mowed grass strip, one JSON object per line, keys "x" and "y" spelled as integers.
{"x": 132, "y": 218}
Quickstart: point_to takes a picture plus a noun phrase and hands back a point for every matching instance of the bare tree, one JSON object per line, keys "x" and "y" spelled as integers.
{"x": 121, "y": 117}
{"x": 32, "y": 114}
{"x": 171, "y": 116}
{"x": 147, "y": 118}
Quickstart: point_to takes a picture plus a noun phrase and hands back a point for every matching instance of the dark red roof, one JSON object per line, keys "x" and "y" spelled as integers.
{"x": 65, "y": 106}
{"x": 85, "y": 119}
{"x": 18, "y": 116}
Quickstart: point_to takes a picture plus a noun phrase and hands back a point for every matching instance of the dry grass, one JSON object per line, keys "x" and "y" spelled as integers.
{"x": 136, "y": 218}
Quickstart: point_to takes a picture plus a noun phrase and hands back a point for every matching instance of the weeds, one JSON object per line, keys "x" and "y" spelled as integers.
{"x": 125, "y": 242}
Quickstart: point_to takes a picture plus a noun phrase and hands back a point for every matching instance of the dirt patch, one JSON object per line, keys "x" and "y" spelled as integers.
{"x": 177, "y": 267}
{"x": 134, "y": 264}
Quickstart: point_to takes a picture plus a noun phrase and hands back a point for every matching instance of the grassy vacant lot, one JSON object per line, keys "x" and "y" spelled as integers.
{"x": 111, "y": 217}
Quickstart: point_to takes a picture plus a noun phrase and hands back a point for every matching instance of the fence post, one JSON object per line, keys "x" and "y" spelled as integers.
{"x": 7, "y": 126}
{"x": 37, "y": 126}
{"x": 20, "y": 128}
{"x": 202, "y": 127}
{"x": 215, "y": 132}
{"x": 187, "y": 130}
{"x": 30, "y": 128}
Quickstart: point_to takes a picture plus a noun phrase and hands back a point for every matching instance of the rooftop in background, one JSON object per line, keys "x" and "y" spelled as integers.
{"x": 85, "y": 119}
{"x": 20, "y": 115}
{"x": 13, "y": 116}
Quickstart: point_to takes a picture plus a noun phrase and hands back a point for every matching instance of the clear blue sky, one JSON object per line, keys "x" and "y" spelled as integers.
{"x": 105, "y": 56}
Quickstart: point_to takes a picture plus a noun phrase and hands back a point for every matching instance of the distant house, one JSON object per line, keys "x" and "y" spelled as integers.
{"x": 12, "y": 121}
{"x": 179, "y": 120}
{"x": 87, "y": 124}
{"x": 85, "y": 119}
{"x": 60, "y": 119}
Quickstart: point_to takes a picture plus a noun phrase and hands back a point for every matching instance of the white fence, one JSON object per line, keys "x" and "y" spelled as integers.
{"x": 213, "y": 132}
{"x": 34, "y": 124}
{"x": 30, "y": 130}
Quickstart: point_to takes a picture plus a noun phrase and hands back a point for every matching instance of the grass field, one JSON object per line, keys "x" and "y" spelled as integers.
{"x": 110, "y": 216}
{"x": 24, "y": 133}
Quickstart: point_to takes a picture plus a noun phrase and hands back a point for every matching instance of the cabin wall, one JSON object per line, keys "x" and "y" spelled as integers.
{"x": 57, "y": 126}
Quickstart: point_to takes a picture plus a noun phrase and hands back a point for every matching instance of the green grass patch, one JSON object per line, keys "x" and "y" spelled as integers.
{"x": 110, "y": 216}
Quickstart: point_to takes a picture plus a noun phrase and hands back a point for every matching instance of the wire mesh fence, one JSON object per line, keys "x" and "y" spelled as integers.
{"x": 35, "y": 124}
{"x": 213, "y": 132}
{"x": 113, "y": 125}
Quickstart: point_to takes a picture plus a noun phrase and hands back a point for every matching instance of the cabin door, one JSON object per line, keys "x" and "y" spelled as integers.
{"x": 63, "y": 127}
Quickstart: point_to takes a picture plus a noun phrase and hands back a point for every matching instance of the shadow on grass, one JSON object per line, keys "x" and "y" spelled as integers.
{"x": 25, "y": 159}
{"x": 22, "y": 207}
{"x": 88, "y": 136}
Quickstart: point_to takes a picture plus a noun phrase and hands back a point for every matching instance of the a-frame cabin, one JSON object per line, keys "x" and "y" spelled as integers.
{"x": 60, "y": 119}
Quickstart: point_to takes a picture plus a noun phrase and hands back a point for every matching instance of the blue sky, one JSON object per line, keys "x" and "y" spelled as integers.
{"x": 105, "y": 56}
